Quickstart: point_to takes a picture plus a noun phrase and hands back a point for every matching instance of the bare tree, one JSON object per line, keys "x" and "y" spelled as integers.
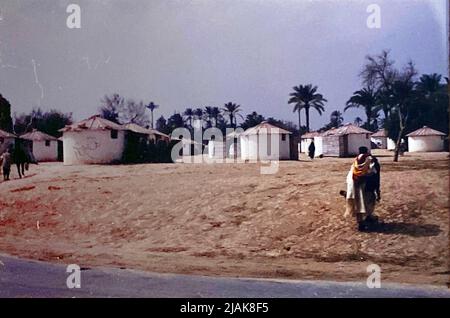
{"x": 134, "y": 113}
{"x": 395, "y": 86}
{"x": 111, "y": 107}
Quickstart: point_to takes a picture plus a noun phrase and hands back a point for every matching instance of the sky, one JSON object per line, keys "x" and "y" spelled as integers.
{"x": 182, "y": 53}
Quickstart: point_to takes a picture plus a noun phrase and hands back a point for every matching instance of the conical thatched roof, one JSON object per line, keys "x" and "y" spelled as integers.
{"x": 141, "y": 130}
{"x": 347, "y": 129}
{"x": 93, "y": 123}
{"x": 425, "y": 131}
{"x": 380, "y": 133}
{"x": 266, "y": 128}
{"x": 37, "y": 135}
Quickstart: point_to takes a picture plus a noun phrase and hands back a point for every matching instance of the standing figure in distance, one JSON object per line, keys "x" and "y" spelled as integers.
{"x": 5, "y": 161}
{"x": 311, "y": 149}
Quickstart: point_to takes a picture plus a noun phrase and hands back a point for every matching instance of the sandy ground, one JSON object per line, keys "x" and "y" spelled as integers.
{"x": 229, "y": 220}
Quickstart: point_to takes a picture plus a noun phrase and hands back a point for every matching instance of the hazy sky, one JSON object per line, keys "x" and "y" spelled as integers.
{"x": 207, "y": 52}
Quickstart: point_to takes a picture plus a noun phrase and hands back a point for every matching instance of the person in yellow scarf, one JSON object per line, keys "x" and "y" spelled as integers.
{"x": 360, "y": 198}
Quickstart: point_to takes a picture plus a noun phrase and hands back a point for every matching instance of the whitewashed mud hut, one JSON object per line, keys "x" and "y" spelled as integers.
{"x": 381, "y": 139}
{"x": 345, "y": 141}
{"x": 257, "y": 143}
{"x": 229, "y": 147}
{"x": 93, "y": 141}
{"x": 426, "y": 139}
{"x": 306, "y": 140}
{"x": 43, "y": 146}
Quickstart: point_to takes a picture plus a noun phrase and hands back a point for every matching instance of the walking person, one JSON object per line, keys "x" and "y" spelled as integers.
{"x": 5, "y": 160}
{"x": 363, "y": 189}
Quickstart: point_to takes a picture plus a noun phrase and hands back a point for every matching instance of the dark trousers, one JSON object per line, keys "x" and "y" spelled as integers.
{"x": 6, "y": 172}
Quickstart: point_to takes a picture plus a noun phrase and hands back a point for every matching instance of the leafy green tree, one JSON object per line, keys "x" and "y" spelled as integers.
{"x": 49, "y": 122}
{"x": 161, "y": 125}
{"x": 287, "y": 125}
{"x": 252, "y": 120}
{"x": 175, "y": 121}
{"x": 188, "y": 115}
{"x": 336, "y": 119}
{"x": 5, "y": 115}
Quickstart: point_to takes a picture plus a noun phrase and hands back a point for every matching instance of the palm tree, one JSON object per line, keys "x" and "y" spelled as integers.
{"x": 429, "y": 84}
{"x": 366, "y": 98}
{"x": 232, "y": 111}
{"x": 198, "y": 116}
{"x": 152, "y": 106}
{"x": 198, "y": 113}
{"x": 215, "y": 113}
{"x": 358, "y": 121}
{"x": 188, "y": 114}
{"x": 336, "y": 119}
{"x": 208, "y": 113}
{"x": 305, "y": 97}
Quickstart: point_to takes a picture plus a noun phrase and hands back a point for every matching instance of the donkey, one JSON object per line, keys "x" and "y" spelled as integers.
{"x": 21, "y": 158}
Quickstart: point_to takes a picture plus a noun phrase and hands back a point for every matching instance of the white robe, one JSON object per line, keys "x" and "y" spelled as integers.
{"x": 358, "y": 200}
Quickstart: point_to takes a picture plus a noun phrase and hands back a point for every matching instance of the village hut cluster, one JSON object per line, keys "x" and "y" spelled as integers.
{"x": 91, "y": 141}
{"x": 345, "y": 141}
{"x": 337, "y": 142}
{"x": 263, "y": 142}
{"x": 99, "y": 141}
{"x": 38, "y": 145}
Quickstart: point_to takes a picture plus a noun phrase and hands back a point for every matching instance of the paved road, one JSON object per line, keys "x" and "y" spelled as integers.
{"x": 23, "y": 278}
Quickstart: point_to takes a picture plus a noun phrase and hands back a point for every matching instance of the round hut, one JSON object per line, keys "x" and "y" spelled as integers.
{"x": 381, "y": 139}
{"x": 426, "y": 139}
{"x": 93, "y": 141}
{"x": 345, "y": 141}
{"x": 265, "y": 142}
{"x": 43, "y": 146}
{"x": 306, "y": 140}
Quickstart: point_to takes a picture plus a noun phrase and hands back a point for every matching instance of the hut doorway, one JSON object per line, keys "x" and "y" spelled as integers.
{"x": 345, "y": 145}
{"x": 60, "y": 151}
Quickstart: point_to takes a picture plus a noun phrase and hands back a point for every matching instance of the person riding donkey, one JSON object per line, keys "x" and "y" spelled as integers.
{"x": 363, "y": 189}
